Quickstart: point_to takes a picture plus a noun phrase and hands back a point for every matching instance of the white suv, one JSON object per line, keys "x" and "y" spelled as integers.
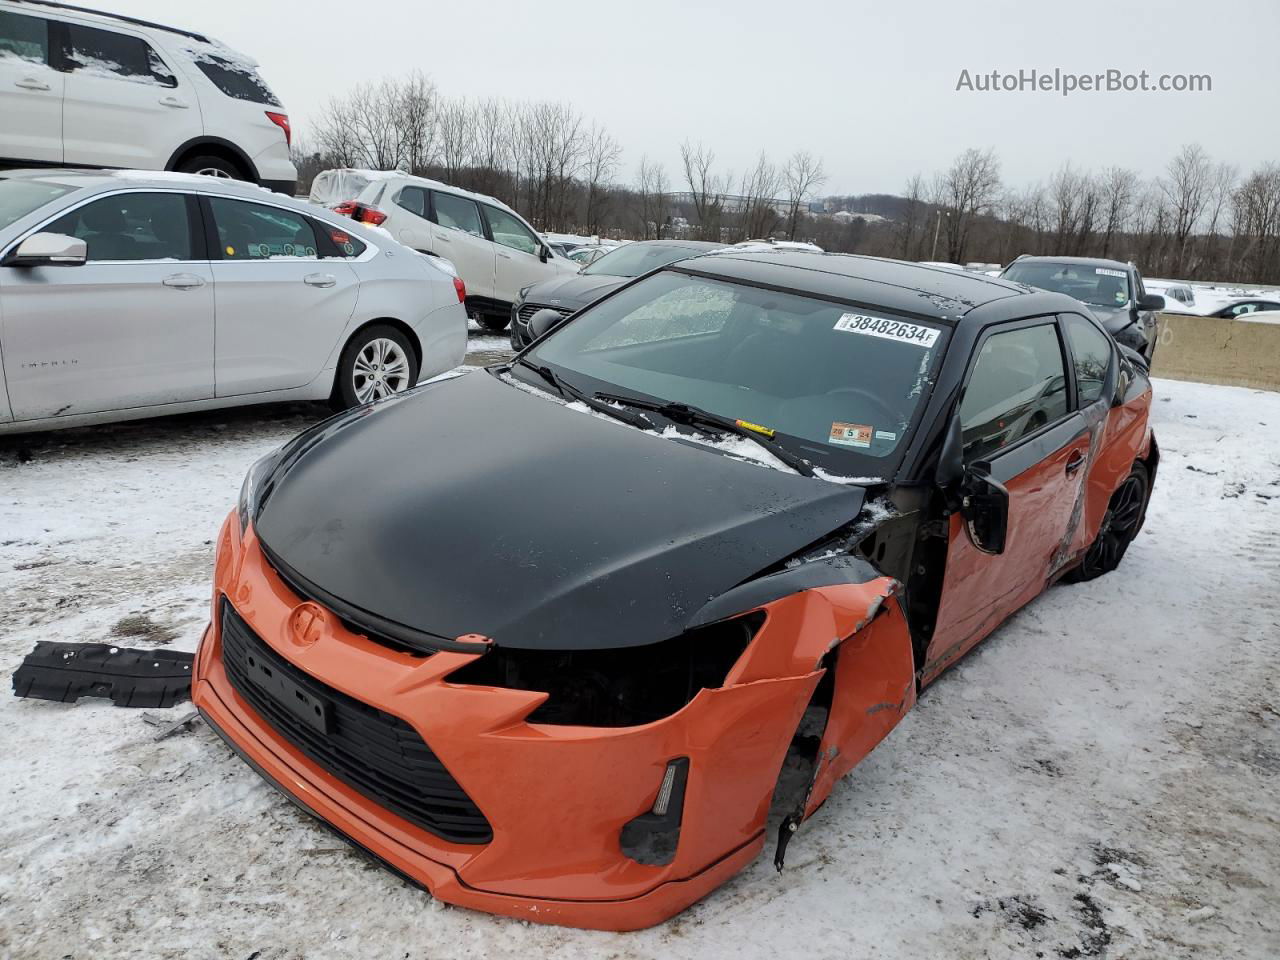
{"x": 88, "y": 89}
{"x": 494, "y": 250}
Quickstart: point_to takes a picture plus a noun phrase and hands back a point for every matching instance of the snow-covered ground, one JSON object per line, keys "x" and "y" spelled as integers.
{"x": 1101, "y": 778}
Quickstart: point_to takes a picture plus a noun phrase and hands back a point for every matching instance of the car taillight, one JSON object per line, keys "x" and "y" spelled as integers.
{"x": 461, "y": 288}
{"x": 281, "y": 120}
{"x": 360, "y": 213}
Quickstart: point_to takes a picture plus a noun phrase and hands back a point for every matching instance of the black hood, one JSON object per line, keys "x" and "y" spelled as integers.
{"x": 573, "y": 292}
{"x": 472, "y": 506}
{"x": 1114, "y": 319}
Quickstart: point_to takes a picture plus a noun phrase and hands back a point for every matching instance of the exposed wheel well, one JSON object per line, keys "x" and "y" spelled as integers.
{"x": 213, "y": 148}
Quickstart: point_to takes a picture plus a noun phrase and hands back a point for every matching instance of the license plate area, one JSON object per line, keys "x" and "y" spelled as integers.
{"x": 309, "y": 707}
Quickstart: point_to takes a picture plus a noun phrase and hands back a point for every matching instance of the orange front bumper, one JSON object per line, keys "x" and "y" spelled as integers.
{"x": 556, "y": 797}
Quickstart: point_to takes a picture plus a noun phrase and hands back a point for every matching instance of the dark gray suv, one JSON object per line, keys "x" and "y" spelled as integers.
{"x": 1112, "y": 291}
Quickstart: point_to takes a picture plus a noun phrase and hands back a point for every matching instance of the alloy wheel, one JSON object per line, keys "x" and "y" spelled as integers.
{"x": 381, "y": 369}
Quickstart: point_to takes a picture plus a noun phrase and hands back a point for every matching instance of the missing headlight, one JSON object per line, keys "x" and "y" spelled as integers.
{"x": 617, "y": 688}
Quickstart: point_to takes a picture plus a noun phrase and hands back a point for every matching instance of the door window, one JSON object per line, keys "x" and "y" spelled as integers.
{"x": 458, "y": 213}
{"x": 104, "y": 53}
{"x": 1017, "y": 386}
{"x": 23, "y": 38}
{"x": 509, "y": 231}
{"x": 131, "y": 226}
{"x": 251, "y": 231}
{"x": 413, "y": 199}
{"x": 1091, "y": 351}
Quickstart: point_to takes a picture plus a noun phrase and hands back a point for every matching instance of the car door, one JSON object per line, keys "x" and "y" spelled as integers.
{"x": 30, "y": 91}
{"x": 281, "y": 308}
{"x": 459, "y": 236}
{"x": 123, "y": 105}
{"x": 1018, "y": 423}
{"x": 132, "y": 327}
{"x": 519, "y": 260}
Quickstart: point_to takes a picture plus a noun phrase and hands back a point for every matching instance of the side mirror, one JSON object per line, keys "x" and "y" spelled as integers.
{"x": 48, "y": 250}
{"x": 544, "y": 254}
{"x": 544, "y": 321}
{"x": 1151, "y": 301}
{"x": 985, "y": 505}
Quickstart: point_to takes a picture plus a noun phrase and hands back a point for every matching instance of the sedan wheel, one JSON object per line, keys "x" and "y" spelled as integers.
{"x": 381, "y": 369}
{"x": 1120, "y": 524}
{"x": 376, "y": 363}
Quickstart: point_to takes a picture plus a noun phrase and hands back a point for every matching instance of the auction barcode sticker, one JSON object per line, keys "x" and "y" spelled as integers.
{"x": 898, "y": 330}
{"x": 1108, "y": 272}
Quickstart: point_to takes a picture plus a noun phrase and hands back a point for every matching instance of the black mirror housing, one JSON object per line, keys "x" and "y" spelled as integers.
{"x": 544, "y": 321}
{"x": 544, "y": 254}
{"x": 1151, "y": 301}
{"x": 985, "y": 505}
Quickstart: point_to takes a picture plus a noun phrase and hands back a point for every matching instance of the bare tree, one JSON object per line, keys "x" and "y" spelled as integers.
{"x": 759, "y": 207}
{"x": 456, "y": 136}
{"x": 1188, "y": 190}
{"x": 1256, "y": 223}
{"x": 967, "y": 191}
{"x": 803, "y": 174}
{"x": 600, "y": 166}
{"x": 417, "y": 101}
{"x": 706, "y": 189}
{"x": 652, "y": 189}
{"x": 1119, "y": 190}
{"x": 913, "y": 214}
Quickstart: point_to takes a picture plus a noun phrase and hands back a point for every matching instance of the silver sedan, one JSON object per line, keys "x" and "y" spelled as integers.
{"x": 127, "y": 294}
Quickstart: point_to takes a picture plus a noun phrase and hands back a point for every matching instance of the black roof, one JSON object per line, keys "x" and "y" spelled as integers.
{"x": 911, "y": 288}
{"x": 1083, "y": 261}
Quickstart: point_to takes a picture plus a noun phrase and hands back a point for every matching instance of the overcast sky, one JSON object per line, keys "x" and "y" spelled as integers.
{"x": 868, "y": 86}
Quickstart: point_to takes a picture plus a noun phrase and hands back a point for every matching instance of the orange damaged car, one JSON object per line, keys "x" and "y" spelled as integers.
{"x": 542, "y": 638}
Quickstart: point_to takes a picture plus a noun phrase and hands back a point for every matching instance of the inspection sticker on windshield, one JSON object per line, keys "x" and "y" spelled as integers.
{"x": 1108, "y": 272}
{"x": 850, "y": 434}
{"x": 898, "y": 330}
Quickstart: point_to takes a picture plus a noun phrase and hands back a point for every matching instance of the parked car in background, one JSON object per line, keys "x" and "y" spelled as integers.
{"x": 1112, "y": 290}
{"x": 566, "y": 295}
{"x": 132, "y": 294}
{"x": 88, "y": 89}
{"x": 585, "y": 256}
{"x": 493, "y": 248}
{"x": 1247, "y": 305}
{"x": 702, "y": 612}
{"x": 1180, "y": 293}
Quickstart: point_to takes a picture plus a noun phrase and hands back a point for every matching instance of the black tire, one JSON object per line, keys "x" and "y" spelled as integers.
{"x": 348, "y": 386}
{"x": 494, "y": 322}
{"x": 1120, "y": 524}
{"x": 208, "y": 164}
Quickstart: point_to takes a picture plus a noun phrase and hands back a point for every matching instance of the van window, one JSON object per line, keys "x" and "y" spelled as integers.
{"x": 458, "y": 213}
{"x": 131, "y": 226}
{"x": 23, "y": 38}
{"x": 509, "y": 231}
{"x": 238, "y": 79}
{"x": 1018, "y": 385}
{"x": 104, "y": 53}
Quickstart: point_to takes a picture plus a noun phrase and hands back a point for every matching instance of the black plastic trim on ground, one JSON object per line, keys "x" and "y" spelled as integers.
{"x": 65, "y": 672}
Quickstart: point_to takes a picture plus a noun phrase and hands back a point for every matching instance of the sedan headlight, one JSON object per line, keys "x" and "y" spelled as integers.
{"x": 256, "y": 483}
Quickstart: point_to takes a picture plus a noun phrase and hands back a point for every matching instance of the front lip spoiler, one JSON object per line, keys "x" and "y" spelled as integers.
{"x": 644, "y": 910}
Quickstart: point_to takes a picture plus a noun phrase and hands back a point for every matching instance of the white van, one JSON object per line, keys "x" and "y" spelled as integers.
{"x": 493, "y": 248}
{"x": 81, "y": 88}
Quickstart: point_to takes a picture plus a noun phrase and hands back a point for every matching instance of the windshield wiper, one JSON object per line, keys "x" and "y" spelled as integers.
{"x": 566, "y": 389}
{"x": 695, "y": 417}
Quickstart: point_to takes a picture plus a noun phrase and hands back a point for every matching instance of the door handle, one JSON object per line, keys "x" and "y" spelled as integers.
{"x": 1075, "y": 462}
{"x": 320, "y": 280}
{"x": 183, "y": 281}
{"x": 504, "y": 256}
{"x": 30, "y": 83}
{"x": 173, "y": 102}
{"x": 442, "y": 238}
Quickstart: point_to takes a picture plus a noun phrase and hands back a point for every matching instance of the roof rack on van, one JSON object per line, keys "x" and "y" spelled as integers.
{"x": 118, "y": 16}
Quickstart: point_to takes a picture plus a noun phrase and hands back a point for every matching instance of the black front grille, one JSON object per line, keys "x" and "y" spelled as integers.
{"x": 527, "y": 310}
{"x": 373, "y": 752}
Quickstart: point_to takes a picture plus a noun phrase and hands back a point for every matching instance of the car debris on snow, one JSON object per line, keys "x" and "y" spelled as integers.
{"x": 129, "y": 678}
